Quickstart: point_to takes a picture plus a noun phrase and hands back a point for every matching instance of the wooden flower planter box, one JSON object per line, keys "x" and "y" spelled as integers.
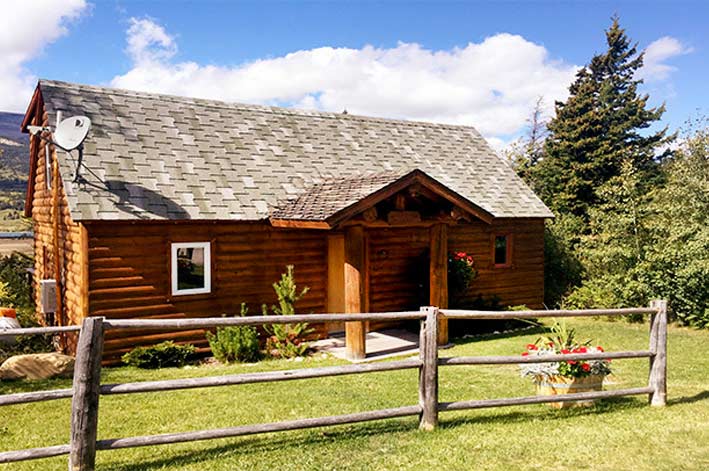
{"x": 565, "y": 385}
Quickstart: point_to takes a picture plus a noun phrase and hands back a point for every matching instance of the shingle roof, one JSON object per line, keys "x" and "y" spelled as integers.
{"x": 154, "y": 156}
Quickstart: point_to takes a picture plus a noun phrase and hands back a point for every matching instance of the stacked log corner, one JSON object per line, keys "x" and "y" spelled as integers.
{"x": 57, "y": 238}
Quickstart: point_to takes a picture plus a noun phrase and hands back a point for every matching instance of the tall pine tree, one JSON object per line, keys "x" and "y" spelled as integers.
{"x": 603, "y": 123}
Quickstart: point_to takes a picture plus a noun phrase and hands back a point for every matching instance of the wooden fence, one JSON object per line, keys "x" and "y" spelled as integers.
{"x": 87, "y": 387}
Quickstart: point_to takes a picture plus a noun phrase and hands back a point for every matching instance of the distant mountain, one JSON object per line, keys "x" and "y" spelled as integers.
{"x": 14, "y": 168}
{"x": 10, "y": 127}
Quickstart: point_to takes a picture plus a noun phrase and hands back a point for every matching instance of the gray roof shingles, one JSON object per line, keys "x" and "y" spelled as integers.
{"x": 158, "y": 157}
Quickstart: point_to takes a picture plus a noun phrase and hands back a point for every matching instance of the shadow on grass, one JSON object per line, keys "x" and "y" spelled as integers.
{"x": 606, "y": 406}
{"x": 244, "y": 446}
{"x": 702, "y": 396}
{"x": 470, "y": 338}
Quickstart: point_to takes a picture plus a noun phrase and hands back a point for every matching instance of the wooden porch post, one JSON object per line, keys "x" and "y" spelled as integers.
{"x": 335, "y": 279}
{"x": 354, "y": 291}
{"x": 439, "y": 276}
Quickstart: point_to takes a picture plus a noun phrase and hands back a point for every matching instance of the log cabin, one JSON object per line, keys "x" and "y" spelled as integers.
{"x": 187, "y": 207}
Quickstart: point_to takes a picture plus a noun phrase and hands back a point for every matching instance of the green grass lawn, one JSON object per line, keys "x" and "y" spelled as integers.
{"x": 619, "y": 434}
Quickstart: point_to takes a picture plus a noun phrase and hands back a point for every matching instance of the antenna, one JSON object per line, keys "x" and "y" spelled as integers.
{"x": 69, "y": 134}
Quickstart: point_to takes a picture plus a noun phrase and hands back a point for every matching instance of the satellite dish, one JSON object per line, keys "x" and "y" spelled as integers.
{"x": 71, "y": 132}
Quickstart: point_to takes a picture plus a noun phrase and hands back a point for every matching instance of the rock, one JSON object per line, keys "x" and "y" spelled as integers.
{"x": 7, "y": 323}
{"x": 37, "y": 366}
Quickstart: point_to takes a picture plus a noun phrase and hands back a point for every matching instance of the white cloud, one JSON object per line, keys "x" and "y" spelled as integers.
{"x": 148, "y": 42}
{"x": 657, "y": 53}
{"x": 492, "y": 85}
{"x": 26, "y": 27}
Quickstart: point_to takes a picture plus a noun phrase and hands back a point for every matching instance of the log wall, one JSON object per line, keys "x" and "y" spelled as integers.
{"x": 130, "y": 270}
{"x": 130, "y": 274}
{"x": 520, "y": 283}
{"x": 398, "y": 261}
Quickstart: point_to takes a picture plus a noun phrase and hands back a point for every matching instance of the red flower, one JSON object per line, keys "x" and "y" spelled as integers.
{"x": 600, "y": 349}
{"x": 583, "y": 350}
{"x": 524, "y": 354}
{"x": 572, "y": 362}
{"x": 586, "y": 367}
{"x": 531, "y": 346}
{"x": 565, "y": 351}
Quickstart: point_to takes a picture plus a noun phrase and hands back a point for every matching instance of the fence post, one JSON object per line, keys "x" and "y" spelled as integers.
{"x": 428, "y": 374}
{"x": 658, "y": 360}
{"x": 84, "y": 404}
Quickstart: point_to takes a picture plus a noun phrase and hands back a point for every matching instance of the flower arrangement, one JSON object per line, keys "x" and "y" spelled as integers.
{"x": 461, "y": 271}
{"x": 563, "y": 342}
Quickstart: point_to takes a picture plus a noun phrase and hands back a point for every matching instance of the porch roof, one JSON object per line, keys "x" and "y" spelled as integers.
{"x": 336, "y": 200}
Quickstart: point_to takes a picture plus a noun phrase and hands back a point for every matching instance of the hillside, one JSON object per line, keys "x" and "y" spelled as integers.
{"x": 14, "y": 167}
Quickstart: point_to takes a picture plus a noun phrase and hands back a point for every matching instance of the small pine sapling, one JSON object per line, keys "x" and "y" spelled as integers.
{"x": 286, "y": 340}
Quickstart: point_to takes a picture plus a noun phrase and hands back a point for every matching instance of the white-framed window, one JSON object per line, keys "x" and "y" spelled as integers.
{"x": 47, "y": 167}
{"x": 191, "y": 268}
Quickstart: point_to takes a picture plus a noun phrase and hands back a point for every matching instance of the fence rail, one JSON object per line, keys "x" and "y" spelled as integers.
{"x": 87, "y": 389}
{"x": 536, "y": 314}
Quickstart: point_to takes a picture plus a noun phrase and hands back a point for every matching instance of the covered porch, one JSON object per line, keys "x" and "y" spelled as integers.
{"x": 387, "y": 244}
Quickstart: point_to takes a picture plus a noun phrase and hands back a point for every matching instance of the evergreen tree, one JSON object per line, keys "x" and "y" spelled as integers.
{"x": 603, "y": 123}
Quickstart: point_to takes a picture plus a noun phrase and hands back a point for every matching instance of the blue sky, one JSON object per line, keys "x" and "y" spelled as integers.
{"x": 479, "y": 63}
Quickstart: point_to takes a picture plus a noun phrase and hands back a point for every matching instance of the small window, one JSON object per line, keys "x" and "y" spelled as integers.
{"x": 191, "y": 268}
{"x": 502, "y": 251}
{"x": 47, "y": 167}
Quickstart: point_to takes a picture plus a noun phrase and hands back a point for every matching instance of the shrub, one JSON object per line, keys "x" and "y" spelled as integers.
{"x": 239, "y": 343}
{"x": 24, "y": 344}
{"x": 562, "y": 267}
{"x": 286, "y": 340}
{"x": 162, "y": 355}
{"x": 13, "y": 273}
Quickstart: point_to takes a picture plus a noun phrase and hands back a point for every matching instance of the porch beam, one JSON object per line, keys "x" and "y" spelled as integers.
{"x": 355, "y": 291}
{"x": 438, "y": 275}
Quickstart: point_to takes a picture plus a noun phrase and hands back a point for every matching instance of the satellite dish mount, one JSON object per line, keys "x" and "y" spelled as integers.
{"x": 69, "y": 134}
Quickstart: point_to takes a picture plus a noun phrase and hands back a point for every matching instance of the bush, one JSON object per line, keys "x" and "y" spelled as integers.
{"x": 562, "y": 267}
{"x": 162, "y": 355}
{"x": 239, "y": 343}
{"x": 286, "y": 340}
{"x": 24, "y": 344}
{"x": 13, "y": 273}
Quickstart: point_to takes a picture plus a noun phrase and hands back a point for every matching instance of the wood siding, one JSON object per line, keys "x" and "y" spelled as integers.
{"x": 130, "y": 273}
{"x": 520, "y": 283}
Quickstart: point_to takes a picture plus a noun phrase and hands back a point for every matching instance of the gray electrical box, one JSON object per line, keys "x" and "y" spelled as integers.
{"x": 48, "y": 296}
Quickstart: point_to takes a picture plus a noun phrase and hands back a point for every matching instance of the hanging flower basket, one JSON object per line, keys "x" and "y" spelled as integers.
{"x": 565, "y": 377}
